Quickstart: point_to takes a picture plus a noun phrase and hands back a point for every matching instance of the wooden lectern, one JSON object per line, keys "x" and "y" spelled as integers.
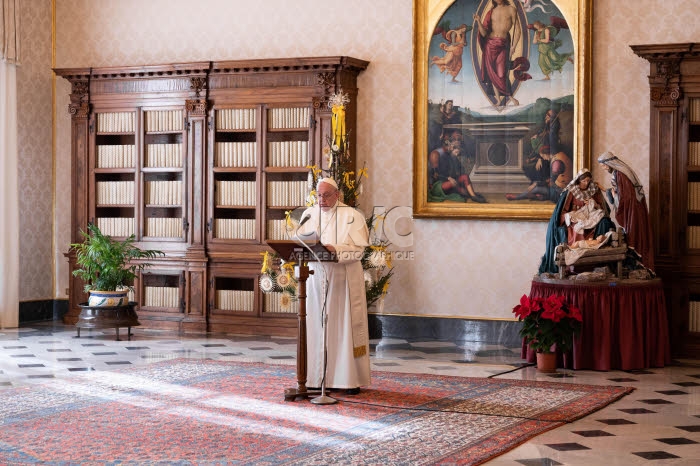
{"x": 294, "y": 251}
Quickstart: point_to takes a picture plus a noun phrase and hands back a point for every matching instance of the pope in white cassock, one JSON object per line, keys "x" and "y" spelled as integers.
{"x": 343, "y": 230}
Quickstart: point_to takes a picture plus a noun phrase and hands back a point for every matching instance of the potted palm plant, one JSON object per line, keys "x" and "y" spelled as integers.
{"x": 108, "y": 267}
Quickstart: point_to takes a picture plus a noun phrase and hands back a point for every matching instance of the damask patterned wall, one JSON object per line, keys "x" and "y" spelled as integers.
{"x": 35, "y": 158}
{"x": 461, "y": 268}
{"x": 621, "y": 86}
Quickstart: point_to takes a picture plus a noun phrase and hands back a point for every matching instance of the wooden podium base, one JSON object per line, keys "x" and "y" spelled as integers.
{"x": 301, "y": 392}
{"x": 289, "y": 249}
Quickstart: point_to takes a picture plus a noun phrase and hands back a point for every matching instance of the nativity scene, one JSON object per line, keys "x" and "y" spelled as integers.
{"x": 591, "y": 228}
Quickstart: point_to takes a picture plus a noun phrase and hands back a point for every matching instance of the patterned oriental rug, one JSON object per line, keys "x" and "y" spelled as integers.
{"x": 220, "y": 412}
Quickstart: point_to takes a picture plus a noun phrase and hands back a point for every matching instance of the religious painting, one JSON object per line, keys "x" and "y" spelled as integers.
{"x": 501, "y": 107}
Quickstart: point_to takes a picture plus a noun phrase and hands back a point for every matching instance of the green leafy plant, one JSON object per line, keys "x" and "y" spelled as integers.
{"x": 547, "y": 322}
{"x": 106, "y": 264}
{"x": 376, "y": 262}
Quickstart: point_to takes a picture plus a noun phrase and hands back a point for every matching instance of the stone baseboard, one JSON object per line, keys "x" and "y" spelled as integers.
{"x": 492, "y": 332}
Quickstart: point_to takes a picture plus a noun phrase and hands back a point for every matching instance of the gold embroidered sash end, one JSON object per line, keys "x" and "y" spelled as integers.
{"x": 359, "y": 351}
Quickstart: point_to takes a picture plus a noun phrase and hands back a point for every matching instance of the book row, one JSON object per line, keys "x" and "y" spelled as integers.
{"x": 161, "y": 296}
{"x": 163, "y": 192}
{"x": 164, "y": 227}
{"x": 163, "y": 155}
{"x": 244, "y": 154}
{"x": 116, "y": 156}
{"x": 224, "y": 228}
{"x": 235, "y": 193}
{"x": 288, "y": 154}
{"x": 235, "y": 300}
{"x": 226, "y": 119}
{"x": 693, "y": 238}
{"x": 275, "y": 304}
{"x": 288, "y": 118}
{"x": 115, "y": 192}
{"x": 164, "y": 121}
{"x": 236, "y": 154}
{"x": 236, "y": 118}
{"x": 694, "y": 154}
{"x": 123, "y": 156}
{"x": 116, "y": 226}
{"x": 117, "y": 122}
{"x": 277, "y": 229}
{"x": 694, "y": 110}
{"x": 234, "y": 228}
{"x": 286, "y": 193}
{"x": 693, "y": 196}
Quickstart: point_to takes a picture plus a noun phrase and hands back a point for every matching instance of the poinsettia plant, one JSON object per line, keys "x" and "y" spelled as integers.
{"x": 548, "y": 321}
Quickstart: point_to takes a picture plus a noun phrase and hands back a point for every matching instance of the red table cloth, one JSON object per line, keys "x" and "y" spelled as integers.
{"x": 624, "y": 323}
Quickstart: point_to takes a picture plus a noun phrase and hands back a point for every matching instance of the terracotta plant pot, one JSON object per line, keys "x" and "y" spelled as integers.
{"x": 547, "y": 362}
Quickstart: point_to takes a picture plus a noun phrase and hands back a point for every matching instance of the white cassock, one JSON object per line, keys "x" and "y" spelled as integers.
{"x": 345, "y": 229}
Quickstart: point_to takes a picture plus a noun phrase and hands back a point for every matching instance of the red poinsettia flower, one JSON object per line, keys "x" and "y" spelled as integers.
{"x": 523, "y": 309}
{"x": 553, "y": 308}
{"x": 548, "y": 322}
{"x": 575, "y": 313}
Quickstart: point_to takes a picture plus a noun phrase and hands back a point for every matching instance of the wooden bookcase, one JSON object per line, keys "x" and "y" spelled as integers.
{"x": 200, "y": 160}
{"x": 674, "y": 185}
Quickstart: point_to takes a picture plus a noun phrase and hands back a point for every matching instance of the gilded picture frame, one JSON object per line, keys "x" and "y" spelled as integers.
{"x": 501, "y": 105}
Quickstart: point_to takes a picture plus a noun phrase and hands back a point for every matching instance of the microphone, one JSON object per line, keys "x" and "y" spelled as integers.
{"x": 304, "y": 220}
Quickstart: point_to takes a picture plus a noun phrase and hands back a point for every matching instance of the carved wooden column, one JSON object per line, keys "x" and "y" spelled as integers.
{"x": 195, "y": 290}
{"x": 665, "y": 92}
{"x": 668, "y": 198}
{"x": 196, "y": 158}
{"x": 79, "y": 109}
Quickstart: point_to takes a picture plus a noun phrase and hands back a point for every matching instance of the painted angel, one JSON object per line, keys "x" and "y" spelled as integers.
{"x": 451, "y": 61}
{"x": 550, "y": 59}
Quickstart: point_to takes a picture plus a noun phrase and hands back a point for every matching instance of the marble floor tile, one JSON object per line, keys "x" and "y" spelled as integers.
{"x": 658, "y": 423}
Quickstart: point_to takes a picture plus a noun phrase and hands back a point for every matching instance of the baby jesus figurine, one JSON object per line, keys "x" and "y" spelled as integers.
{"x": 579, "y": 248}
{"x": 593, "y": 243}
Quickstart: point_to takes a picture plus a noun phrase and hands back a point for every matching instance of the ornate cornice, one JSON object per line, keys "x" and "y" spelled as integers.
{"x": 665, "y": 70}
{"x": 327, "y": 74}
{"x": 81, "y": 87}
{"x": 277, "y": 65}
{"x": 327, "y": 81}
{"x": 151, "y": 71}
{"x": 667, "y": 51}
{"x": 199, "y": 83}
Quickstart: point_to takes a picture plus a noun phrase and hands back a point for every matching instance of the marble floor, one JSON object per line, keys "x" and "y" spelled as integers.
{"x": 658, "y": 423}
